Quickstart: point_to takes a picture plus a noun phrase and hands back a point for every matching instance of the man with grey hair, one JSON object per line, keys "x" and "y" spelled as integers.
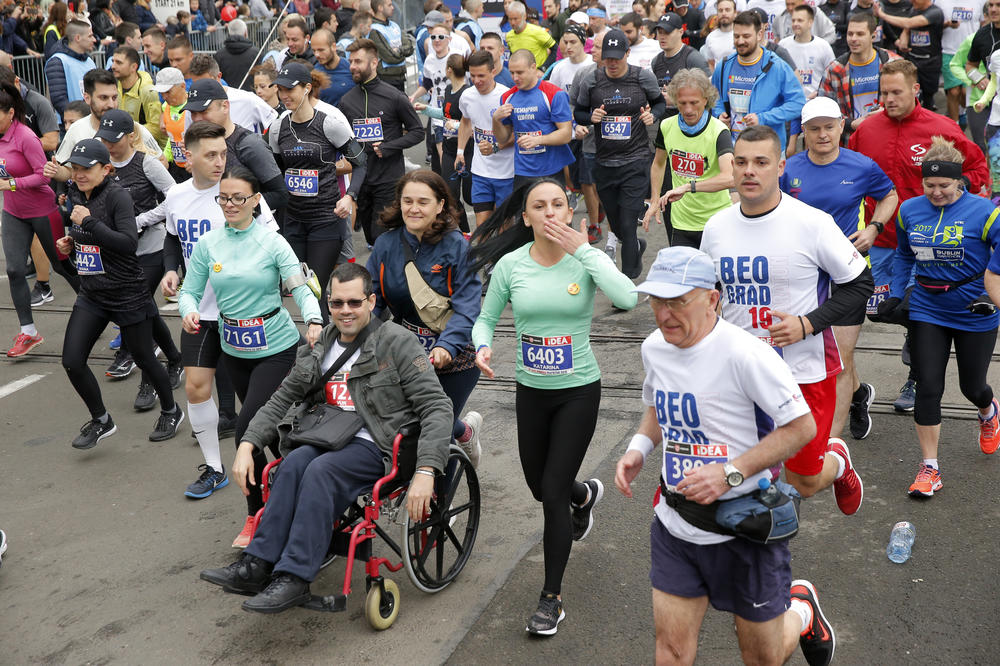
{"x": 245, "y": 108}
{"x": 237, "y": 55}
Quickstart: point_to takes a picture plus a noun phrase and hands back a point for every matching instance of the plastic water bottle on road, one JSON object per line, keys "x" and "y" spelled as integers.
{"x": 901, "y": 541}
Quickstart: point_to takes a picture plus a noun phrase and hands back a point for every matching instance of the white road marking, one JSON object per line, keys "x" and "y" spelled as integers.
{"x": 19, "y": 384}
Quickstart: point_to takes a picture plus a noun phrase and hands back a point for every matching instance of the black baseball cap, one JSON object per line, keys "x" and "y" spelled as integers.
{"x": 615, "y": 44}
{"x": 669, "y": 22}
{"x": 292, "y": 74}
{"x": 115, "y": 125}
{"x": 88, "y": 153}
{"x": 761, "y": 14}
{"x": 203, "y": 92}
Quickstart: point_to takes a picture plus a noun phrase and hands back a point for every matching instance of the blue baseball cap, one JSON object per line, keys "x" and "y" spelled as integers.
{"x": 676, "y": 271}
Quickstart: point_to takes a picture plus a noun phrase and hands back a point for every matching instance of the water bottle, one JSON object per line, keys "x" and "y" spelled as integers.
{"x": 901, "y": 541}
{"x": 769, "y": 495}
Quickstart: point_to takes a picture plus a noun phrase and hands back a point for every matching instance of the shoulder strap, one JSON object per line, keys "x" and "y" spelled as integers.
{"x": 341, "y": 360}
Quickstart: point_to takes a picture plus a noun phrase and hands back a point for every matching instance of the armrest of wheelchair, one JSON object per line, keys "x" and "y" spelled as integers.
{"x": 410, "y": 430}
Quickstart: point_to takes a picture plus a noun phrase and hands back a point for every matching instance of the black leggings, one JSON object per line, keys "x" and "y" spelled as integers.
{"x": 82, "y": 332}
{"x": 554, "y": 429}
{"x": 458, "y": 386}
{"x": 255, "y": 381}
{"x": 321, "y": 256}
{"x": 461, "y": 188}
{"x": 152, "y": 271}
{"x": 17, "y": 234}
{"x": 930, "y": 345}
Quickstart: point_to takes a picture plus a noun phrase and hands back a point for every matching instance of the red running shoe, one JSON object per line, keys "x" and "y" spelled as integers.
{"x": 848, "y": 489}
{"x": 989, "y": 431}
{"x": 818, "y": 642}
{"x": 23, "y": 344}
{"x": 243, "y": 539}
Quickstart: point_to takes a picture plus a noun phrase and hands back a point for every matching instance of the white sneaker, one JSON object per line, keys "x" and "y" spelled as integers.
{"x": 3, "y": 545}
{"x": 472, "y": 447}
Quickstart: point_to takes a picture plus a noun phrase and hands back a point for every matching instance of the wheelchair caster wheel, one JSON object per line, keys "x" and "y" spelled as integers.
{"x": 381, "y": 611}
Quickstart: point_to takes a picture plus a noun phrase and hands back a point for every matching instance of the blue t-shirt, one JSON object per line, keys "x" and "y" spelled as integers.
{"x": 537, "y": 111}
{"x": 504, "y": 77}
{"x": 948, "y": 243}
{"x": 340, "y": 81}
{"x": 738, "y": 89}
{"x": 864, "y": 86}
{"x": 839, "y": 188}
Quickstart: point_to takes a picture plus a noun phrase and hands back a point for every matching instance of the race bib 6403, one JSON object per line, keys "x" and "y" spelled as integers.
{"x": 547, "y": 356}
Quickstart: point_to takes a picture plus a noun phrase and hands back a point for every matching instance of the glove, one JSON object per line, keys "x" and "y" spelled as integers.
{"x": 892, "y": 311}
{"x": 888, "y": 306}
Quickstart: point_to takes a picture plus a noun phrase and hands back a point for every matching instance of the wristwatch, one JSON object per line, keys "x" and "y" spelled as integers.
{"x": 13, "y": 185}
{"x": 879, "y": 225}
{"x": 734, "y": 477}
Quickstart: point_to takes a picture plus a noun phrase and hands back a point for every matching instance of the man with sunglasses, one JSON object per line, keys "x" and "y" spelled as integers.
{"x": 389, "y": 382}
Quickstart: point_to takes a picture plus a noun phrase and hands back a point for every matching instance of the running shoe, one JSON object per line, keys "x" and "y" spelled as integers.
{"x": 41, "y": 295}
{"x": 116, "y": 342}
{"x": 227, "y": 425}
{"x": 594, "y": 234}
{"x": 145, "y": 400}
{"x": 23, "y": 344}
{"x": 860, "y": 418}
{"x": 611, "y": 251}
{"x": 547, "y": 617}
{"x": 207, "y": 483}
{"x": 927, "y": 482}
{"x": 989, "y": 431}
{"x": 818, "y": 642}
{"x": 848, "y": 489}
{"x": 573, "y": 197}
{"x": 122, "y": 366}
{"x": 166, "y": 425}
{"x": 94, "y": 431}
{"x": 907, "y": 397}
{"x": 583, "y": 516}
{"x": 3, "y": 546}
{"x": 472, "y": 447}
{"x": 242, "y": 539}
{"x": 176, "y": 373}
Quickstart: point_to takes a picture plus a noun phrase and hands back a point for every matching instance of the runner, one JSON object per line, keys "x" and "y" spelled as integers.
{"x": 709, "y": 382}
{"x": 674, "y": 54}
{"x": 620, "y": 101}
{"x": 946, "y": 305}
{"x": 549, "y": 273}
{"x": 776, "y": 258}
{"x": 812, "y": 55}
{"x": 103, "y": 237}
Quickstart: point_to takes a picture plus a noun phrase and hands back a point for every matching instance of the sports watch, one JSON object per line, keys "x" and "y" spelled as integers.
{"x": 734, "y": 477}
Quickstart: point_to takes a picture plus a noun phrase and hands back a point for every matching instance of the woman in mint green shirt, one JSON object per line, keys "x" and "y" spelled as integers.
{"x": 244, "y": 263}
{"x": 549, "y": 273}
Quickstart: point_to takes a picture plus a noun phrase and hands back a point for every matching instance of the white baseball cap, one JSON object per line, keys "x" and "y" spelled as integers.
{"x": 821, "y": 107}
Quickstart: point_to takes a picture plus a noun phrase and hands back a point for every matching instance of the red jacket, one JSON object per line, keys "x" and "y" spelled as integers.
{"x": 899, "y": 147}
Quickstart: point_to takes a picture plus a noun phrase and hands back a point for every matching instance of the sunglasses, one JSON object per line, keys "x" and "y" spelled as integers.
{"x": 353, "y": 303}
{"x": 439, "y": 37}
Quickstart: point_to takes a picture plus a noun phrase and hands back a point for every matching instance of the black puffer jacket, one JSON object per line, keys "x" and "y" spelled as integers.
{"x": 235, "y": 58}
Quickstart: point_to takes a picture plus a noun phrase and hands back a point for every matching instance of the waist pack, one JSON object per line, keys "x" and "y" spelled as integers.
{"x": 938, "y": 286}
{"x": 756, "y": 517}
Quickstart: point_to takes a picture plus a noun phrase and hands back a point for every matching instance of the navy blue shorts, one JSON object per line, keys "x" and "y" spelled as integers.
{"x": 739, "y": 577}
{"x": 491, "y": 190}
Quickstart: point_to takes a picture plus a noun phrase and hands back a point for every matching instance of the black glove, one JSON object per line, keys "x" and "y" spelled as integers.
{"x": 892, "y": 310}
{"x": 888, "y": 306}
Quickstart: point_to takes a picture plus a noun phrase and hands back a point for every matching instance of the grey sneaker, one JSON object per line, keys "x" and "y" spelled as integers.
{"x": 907, "y": 397}
{"x": 92, "y": 432}
{"x": 145, "y": 400}
{"x": 547, "y": 617}
{"x": 583, "y": 516}
{"x": 207, "y": 483}
{"x": 611, "y": 251}
{"x": 472, "y": 447}
{"x": 166, "y": 425}
{"x": 41, "y": 295}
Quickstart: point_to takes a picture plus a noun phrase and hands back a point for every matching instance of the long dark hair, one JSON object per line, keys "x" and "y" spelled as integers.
{"x": 10, "y": 98}
{"x": 447, "y": 219}
{"x": 237, "y": 172}
{"x": 504, "y": 231}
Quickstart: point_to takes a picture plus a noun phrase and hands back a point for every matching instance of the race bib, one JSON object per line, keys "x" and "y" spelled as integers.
{"x": 302, "y": 182}
{"x": 450, "y": 133}
{"x": 88, "y": 260}
{"x": 948, "y": 255}
{"x": 920, "y": 38}
{"x": 687, "y": 165}
{"x": 337, "y": 393}
{"x": 481, "y": 135}
{"x": 961, "y": 14}
{"x": 427, "y": 337}
{"x": 245, "y": 335}
{"x": 177, "y": 152}
{"x": 739, "y": 104}
{"x": 806, "y": 76}
{"x": 367, "y": 130}
{"x": 547, "y": 356}
{"x": 880, "y": 294}
{"x": 616, "y": 128}
{"x": 3, "y": 168}
{"x": 537, "y": 150}
{"x": 679, "y": 458}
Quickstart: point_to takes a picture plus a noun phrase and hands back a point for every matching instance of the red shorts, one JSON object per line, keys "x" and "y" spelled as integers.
{"x": 822, "y": 400}
{"x": 58, "y": 230}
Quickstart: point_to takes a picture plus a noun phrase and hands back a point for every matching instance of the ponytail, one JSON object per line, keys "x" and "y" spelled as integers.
{"x": 504, "y": 231}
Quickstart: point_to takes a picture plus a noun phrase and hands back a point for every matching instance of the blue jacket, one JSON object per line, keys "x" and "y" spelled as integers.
{"x": 64, "y": 73}
{"x": 444, "y": 266}
{"x": 776, "y": 97}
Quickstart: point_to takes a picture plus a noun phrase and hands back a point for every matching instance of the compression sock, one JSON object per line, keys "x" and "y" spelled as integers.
{"x": 205, "y": 423}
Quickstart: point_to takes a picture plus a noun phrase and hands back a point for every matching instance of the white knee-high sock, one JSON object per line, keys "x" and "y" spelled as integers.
{"x": 205, "y": 423}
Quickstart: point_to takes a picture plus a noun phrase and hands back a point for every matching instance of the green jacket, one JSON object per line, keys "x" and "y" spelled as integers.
{"x": 392, "y": 383}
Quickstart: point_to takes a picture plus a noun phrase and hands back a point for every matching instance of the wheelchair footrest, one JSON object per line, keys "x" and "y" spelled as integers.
{"x": 332, "y": 603}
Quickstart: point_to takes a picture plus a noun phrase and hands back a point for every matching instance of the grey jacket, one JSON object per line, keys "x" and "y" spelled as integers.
{"x": 392, "y": 383}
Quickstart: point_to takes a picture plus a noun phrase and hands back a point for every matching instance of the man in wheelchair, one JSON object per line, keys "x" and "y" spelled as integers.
{"x": 388, "y": 381}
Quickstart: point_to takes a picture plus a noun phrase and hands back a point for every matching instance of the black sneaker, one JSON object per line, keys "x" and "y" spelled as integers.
{"x": 207, "y": 483}
{"x": 227, "y": 425}
{"x": 247, "y": 575}
{"x": 122, "y": 366}
{"x": 41, "y": 294}
{"x": 583, "y": 516}
{"x": 546, "y": 619}
{"x": 819, "y": 642}
{"x": 94, "y": 431}
{"x": 176, "y": 373}
{"x": 907, "y": 397}
{"x": 166, "y": 425}
{"x": 145, "y": 400}
{"x": 860, "y": 419}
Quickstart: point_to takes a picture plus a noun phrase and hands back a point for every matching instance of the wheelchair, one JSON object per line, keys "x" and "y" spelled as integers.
{"x": 433, "y": 551}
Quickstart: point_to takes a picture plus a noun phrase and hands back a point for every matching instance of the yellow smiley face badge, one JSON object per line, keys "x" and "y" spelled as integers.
{"x": 217, "y": 267}
{"x": 573, "y": 289}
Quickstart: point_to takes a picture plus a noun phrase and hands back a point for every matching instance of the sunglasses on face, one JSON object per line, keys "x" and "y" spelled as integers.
{"x": 439, "y": 37}
{"x": 353, "y": 303}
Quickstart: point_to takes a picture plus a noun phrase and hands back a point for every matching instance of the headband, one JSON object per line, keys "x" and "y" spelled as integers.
{"x": 578, "y": 31}
{"x": 941, "y": 169}
{"x": 596, "y": 12}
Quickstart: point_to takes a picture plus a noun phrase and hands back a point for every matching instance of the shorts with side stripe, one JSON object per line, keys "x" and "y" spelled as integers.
{"x": 202, "y": 349}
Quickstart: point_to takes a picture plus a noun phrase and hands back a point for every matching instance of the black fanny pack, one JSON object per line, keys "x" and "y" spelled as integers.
{"x": 936, "y": 286}
{"x": 229, "y": 321}
{"x": 763, "y": 516}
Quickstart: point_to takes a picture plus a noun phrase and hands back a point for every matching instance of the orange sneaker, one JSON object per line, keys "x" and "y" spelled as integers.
{"x": 243, "y": 539}
{"x": 928, "y": 480}
{"x": 989, "y": 431}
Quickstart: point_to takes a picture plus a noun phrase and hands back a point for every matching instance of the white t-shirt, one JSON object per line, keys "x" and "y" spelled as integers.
{"x": 773, "y": 9}
{"x": 434, "y": 73}
{"x": 994, "y": 67}
{"x": 479, "y": 110}
{"x": 642, "y": 54}
{"x": 564, "y": 71}
{"x": 82, "y": 129}
{"x": 714, "y": 401}
{"x": 336, "y": 388}
{"x": 708, "y": 7}
{"x": 967, "y": 13}
{"x": 249, "y": 111}
{"x": 190, "y": 214}
{"x": 784, "y": 260}
{"x": 718, "y": 46}
{"x": 811, "y": 60}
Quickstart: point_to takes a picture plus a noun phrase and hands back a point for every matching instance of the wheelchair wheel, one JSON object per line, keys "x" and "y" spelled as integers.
{"x": 437, "y": 548}
{"x": 381, "y": 611}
